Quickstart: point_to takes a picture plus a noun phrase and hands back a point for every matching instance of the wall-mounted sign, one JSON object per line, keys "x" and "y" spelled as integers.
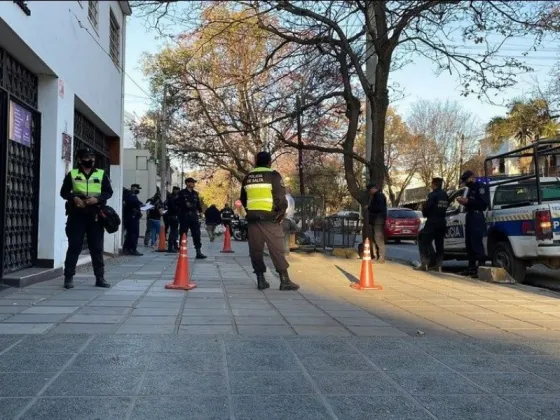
{"x": 66, "y": 147}
{"x": 20, "y": 124}
{"x": 61, "y": 88}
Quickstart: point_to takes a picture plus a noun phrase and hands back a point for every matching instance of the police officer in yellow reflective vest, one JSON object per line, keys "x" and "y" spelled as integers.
{"x": 86, "y": 189}
{"x": 264, "y": 199}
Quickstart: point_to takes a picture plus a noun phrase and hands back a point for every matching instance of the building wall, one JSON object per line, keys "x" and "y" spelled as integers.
{"x": 58, "y": 42}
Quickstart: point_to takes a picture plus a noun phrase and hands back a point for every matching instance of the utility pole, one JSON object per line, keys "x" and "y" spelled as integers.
{"x": 300, "y": 148}
{"x": 162, "y": 140}
{"x": 182, "y": 170}
{"x": 461, "y": 154}
{"x": 371, "y": 64}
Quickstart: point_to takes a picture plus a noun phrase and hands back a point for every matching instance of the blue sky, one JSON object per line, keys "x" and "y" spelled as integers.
{"x": 417, "y": 79}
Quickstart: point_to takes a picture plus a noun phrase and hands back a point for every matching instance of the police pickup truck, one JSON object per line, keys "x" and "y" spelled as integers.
{"x": 523, "y": 220}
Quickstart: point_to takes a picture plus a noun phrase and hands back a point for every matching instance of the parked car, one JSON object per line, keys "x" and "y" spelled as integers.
{"x": 422, "y": 219}
{"x": 401, "y": 224}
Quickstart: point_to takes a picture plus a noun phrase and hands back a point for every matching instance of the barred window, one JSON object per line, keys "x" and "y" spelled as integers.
{"x": 93, "y": 12}
{"x": 115, "y": 39}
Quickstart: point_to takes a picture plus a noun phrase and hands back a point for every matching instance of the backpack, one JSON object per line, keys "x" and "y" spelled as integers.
{"x": 109, "y": 218}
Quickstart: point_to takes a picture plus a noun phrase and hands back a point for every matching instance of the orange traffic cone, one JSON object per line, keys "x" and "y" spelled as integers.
{"x": 161, "y": 243}
{"x": 367, "y": 279}
{"x": 227, "y": 242}
{"x": 182, "y": 277}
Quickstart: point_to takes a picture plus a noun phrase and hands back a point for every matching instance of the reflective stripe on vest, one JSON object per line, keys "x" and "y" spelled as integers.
{"x": 259, "y": 195}
{"x": 87, "y": 187}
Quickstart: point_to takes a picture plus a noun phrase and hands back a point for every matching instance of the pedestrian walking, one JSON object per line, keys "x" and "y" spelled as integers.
{"x": 154, "y": 218}
{"x": 264, "y": 199}
{"x": 476, "y": 203}
{"x": 212, "y": 218}
{"x": 172, "y": 213}
{"x": 86, "y": 190}
{"x": 434, "y": 210}
{"x": 131, "y": 219}
{"x": 377, "y": 212}
{"x": 227, "y": 216}
{"x": 190, "y": 210}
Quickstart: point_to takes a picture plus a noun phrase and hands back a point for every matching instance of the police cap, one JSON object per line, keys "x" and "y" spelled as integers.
{"x": 84, "y": 152}
{"x": 135, "y": 187}
{"x": 190, "y": 179}
{"x": 263, "y": 159}
{"x": 466, "y": 175}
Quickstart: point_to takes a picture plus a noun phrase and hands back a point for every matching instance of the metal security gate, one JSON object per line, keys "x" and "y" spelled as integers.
{"x": 20, "y": 148}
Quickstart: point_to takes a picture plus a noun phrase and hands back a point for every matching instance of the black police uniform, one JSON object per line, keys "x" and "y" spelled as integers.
{"x": 227, "y": 216}
{"x": 377, "y": 216}
{"x": 84, "y": 222}
{"x": 434, "y": 210}
{"x": 189, "y": 207}
{"x": 132, "y": 217}
{"x": 172, "y": 221}
{"x": 475, "y": 225}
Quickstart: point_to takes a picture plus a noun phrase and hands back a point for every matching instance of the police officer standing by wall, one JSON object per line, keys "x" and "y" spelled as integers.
{"x": 86, "y": 189}
{"x": 264, "y": 199}
{"x": 189, "y": 210}
{"x": 434, "y": 210}
{"x": 132, "y": 217}
{"x": 476, "y": 202}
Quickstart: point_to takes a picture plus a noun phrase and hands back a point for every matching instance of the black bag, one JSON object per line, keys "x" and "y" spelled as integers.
{"x": 109, "y": 218}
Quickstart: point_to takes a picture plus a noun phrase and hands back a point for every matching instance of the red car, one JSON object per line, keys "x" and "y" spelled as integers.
{"x": 401, "y": 224}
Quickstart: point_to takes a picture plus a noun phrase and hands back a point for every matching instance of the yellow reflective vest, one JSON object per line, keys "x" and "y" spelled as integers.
{"x": 259, "y": 190}
{"x": 82, "y": 186}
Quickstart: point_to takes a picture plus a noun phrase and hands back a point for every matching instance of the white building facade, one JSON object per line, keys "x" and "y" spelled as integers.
{"x": 61, "y": 88}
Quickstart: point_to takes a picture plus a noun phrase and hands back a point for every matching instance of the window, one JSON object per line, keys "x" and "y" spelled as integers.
{"x": 141, "y": 163}
{"x": 93, "y": 13}
{"x": 522, "y": 193}
{"x": 454, "y": 206}
{"x": 115, "y": 39}
{"x": 402, "y": 214}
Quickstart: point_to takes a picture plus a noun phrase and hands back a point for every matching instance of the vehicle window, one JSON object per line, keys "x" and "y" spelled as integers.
{"x": 453, "y": 205}
{"x": 402, "y": 214}
{"x": 512, "y": 194}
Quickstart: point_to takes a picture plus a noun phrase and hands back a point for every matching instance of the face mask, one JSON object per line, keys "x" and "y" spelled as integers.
{"x": 87, "y": 164}
{"x": 136, "y": 191}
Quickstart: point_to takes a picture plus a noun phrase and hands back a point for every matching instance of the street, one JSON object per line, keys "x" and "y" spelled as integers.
{"x": 539, "y": 275}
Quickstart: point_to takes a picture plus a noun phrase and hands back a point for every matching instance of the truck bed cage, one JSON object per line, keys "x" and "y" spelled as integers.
{"x": 536, "y": 150}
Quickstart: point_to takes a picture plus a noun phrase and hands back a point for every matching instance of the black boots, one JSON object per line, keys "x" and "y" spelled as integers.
{"x": 68, "y": 283}
{"x": 261, "y": 282}
{"x": 100, "y": 282}
{"x": 200, "y": 255}
{"x": 285, "y": 282}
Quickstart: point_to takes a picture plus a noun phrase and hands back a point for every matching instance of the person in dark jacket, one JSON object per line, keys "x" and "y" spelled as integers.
{"x": 154, "y": 218}
{"x": 132, "y": 221}
{"x": 172, "y": 217}
{"x": 377, "y": 212}
{"x": 434, "y": 210}
{"x": 213, "y": 219}
{"x": 227, "y": 217}
{"x": 190, "y": 208}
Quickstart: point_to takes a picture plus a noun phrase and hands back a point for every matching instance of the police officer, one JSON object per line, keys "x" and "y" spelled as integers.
{"x": 172, "y": 220}
{"x": 189, "y": 212}
{"x": 132, "y": 218}
{"x": 86, "y": 189}
{"x": 264, "y": 199}
{"x": 476, "y": 202}
{"x": 434, "y": 210}
{"x": 227, "y": 216}
{"x": 377, "y": 209}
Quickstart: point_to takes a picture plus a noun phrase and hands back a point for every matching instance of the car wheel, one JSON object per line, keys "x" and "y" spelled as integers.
{"x": 504, "y": 257}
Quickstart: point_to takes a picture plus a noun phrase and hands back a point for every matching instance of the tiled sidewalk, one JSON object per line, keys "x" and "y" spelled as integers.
{"x": 425, "y": 347}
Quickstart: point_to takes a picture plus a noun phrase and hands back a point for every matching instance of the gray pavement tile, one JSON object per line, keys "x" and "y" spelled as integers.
{"x": 61, "y": 302}
{"x": 334, "y": 362}
{"x": 78, "y": 408}
{"x": 311, "y": 320}
{"x": 321, "y": 330}
{"x": 52, "y": 344}
{"x": 206, "y": 320}
{"x": 110, "y": 383}
{"x": 22, "y": 384}
{"x": 362, "y": 321}
{"x": 122, "y": 343}
{"x": 279, "y": 407}
{"x": 545, "y": 366}
{"x": 189, "y": 362}
{"x": 174, "y": 344}
{"x": 12, "y": 309}
{"x": 206, "y": 329}
{"x": 7, "y": 341}
{"x": 93, "y": 310}
{"x": 50, "y": 310}
{"x": 446, "y": 346}
{"x": 146, "y": 329}
{"x": 95, "y": 319}
{"x": 264, "y": 383}
{"x": 17, "y": 361}
{"x": 108, "y": 361}
{"x": 506, "y": 348}
{"x": 36, "y": 318}
{"x": 6, "y": 328}
{"x": 519, "y": 383}
{"x": 4, "y": 316}
{"x": 205, "y": 304}
{"x": 434, "y": 382}
{"x": 259, "y": 361}
{"x": 270, "y": 330}
{"x": 205, "y": 312}
{"x": 150, "y": 320}
{"x": 377, "y": 345}
{"x": 538, "y": 406}
{"x": 479, "y": 363}
{"x": 405, "y": 362}
{"x": 259, "y": 345}
{"x": 376, "y": 331}
{"x": 353, "y": 382}
{"x": 470, "y": 407}
{"x": 11, "y": 407}
{"x": 261, "y": 320}
{"x": 263, "y": 306}
{"x": 253, "y": 312}
{"x": 193, "y": 408}
{"x": 183, "y": 383}
{"x": 78, "y": 294}
{"x": 376, "y": 407}
{"x": 69, "y": 328}
{"x": 319, "y": 345}
{"x": 112, "y": 303}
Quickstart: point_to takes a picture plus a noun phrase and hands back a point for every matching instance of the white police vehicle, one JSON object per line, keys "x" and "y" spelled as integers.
{"x": 523, "y": 220}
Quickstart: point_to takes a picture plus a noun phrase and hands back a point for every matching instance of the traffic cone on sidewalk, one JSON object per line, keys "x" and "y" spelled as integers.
{"x": 161, "y": 243}
{"x": 182, "y": 276}
{"x": 367, "y": 279}
{"x": 227, "y": 242}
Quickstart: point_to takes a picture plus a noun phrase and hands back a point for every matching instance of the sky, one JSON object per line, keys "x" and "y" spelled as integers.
{"x": 418, "y": 79}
